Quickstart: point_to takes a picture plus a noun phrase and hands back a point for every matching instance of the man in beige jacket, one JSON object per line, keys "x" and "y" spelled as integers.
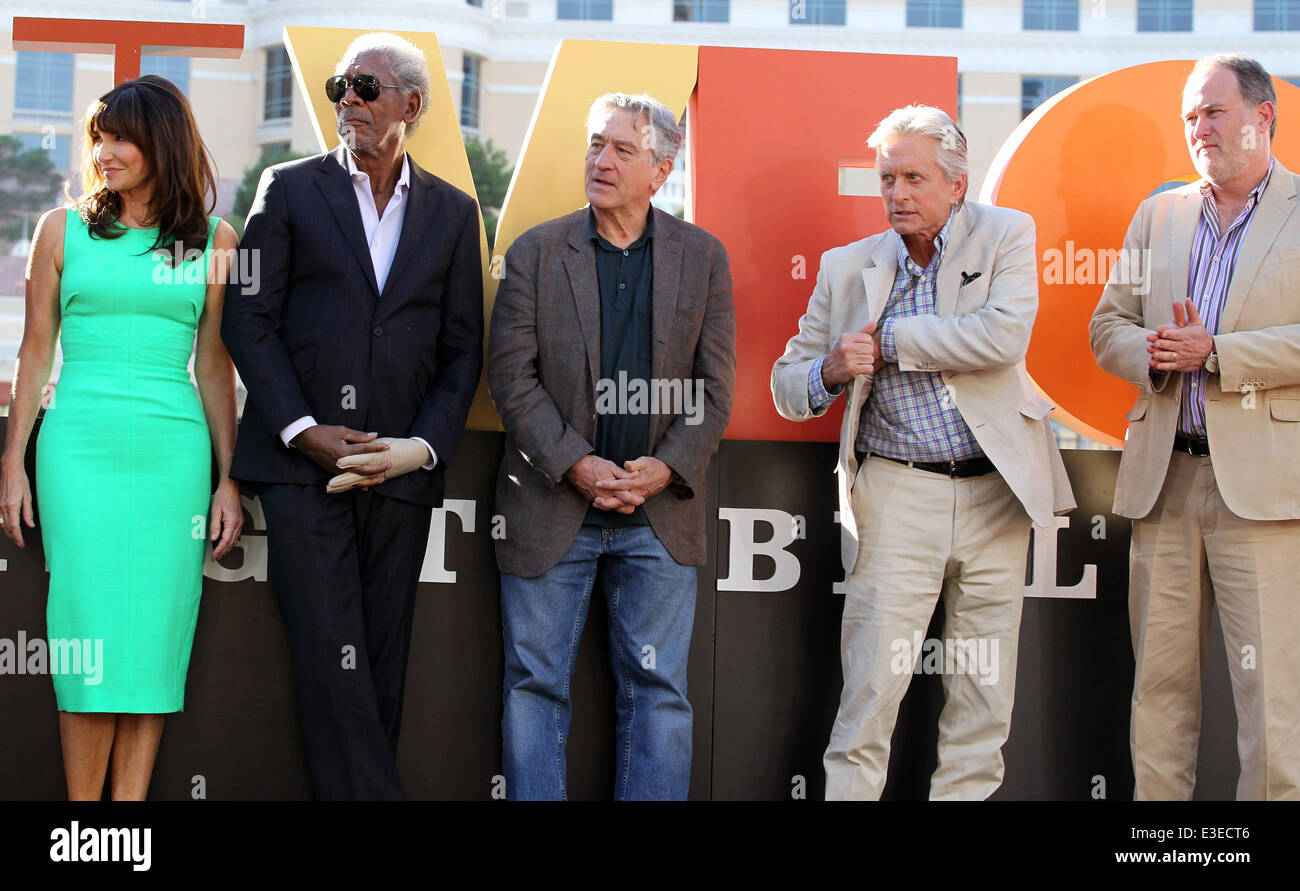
{"x": 1211, "y": 466}
{"x": 946, "y": 454}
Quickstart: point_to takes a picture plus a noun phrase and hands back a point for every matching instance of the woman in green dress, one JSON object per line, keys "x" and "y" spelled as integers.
{"x": 130, "y": 273}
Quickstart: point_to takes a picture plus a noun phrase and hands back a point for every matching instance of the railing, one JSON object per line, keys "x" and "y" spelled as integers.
{"x": 41, "y": 116}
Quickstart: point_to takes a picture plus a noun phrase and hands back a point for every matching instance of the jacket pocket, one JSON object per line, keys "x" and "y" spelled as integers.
{"x": 1139, "y": 409}
{"x": 1285, "y": 256}
{"x": 1036, "y": 407}
{"x": 1284, "y": 409}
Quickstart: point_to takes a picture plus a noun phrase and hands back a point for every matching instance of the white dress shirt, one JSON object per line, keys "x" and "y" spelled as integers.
{"x": 382, "y": 235}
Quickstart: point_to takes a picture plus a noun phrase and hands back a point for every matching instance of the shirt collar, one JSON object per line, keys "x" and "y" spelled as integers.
{"x": 595, "y": 236}
{"x": 1255, "y": 194}
{"x": 403, "y": 179}
{"x": 905, "y": 260}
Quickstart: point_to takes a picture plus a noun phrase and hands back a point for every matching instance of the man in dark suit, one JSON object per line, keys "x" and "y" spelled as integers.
{"x": 368, "y": 317}
{"x": 612, "y": 364}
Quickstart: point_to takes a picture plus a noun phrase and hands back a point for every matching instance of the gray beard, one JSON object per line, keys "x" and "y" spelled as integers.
{"x": 1222, "y": 170}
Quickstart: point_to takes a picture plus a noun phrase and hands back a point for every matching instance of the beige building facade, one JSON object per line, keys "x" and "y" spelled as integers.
{"x": 1011, "y": 54}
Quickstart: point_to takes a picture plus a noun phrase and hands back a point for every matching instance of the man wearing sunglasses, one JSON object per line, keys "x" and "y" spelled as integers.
{"x": 361, "y": 348}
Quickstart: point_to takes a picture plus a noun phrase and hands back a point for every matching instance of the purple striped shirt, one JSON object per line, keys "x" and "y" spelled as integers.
{"x": 1209, "y": 275}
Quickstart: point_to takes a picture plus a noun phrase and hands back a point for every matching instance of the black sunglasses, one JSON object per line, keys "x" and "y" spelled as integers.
{"x": 366, "y": 86}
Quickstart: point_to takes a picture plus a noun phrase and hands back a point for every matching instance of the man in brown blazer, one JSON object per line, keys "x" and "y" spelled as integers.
{"x": 611, "y": 361}
{"x": 1211, "y": 468}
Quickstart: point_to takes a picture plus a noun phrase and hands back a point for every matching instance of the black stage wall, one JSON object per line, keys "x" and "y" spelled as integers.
{"x": 764, "y": 671}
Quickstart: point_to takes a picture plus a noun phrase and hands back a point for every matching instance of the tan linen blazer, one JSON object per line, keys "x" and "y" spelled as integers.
{"x": 1252, "y": 406}
{"x": 976, "y": 340}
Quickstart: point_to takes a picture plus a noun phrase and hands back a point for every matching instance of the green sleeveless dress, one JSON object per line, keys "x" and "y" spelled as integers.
{"x": 123, "y": 476}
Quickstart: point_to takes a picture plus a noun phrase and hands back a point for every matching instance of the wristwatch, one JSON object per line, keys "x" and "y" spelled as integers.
{"x": 1211, "y": 363}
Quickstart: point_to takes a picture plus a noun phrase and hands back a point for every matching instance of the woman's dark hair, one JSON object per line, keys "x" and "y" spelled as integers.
{"x": 156, "y": 117}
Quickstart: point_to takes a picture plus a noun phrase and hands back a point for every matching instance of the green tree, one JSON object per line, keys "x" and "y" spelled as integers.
{"x": 28, "y": 184}
{"x": 491, "y": 171}
{"x": 271, "y": 155}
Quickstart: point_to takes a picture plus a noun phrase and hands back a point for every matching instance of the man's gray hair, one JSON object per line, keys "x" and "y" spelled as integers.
{"x": 1255, "y": 83}
{"x": 410, "y": 69}
{"x": 926, "y": 120}
{"x": 661, "y": 135}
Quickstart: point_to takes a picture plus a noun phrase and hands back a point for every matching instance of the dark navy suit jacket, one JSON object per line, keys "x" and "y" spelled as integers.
{"x": 316, "y": 337}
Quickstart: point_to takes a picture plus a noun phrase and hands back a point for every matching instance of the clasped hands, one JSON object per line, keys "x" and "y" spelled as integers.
{"x": 618, "y": 489}
{"x": 367, "y": 458}
{"x": 1182, "y": 346}
{"x": 857, "y": 352}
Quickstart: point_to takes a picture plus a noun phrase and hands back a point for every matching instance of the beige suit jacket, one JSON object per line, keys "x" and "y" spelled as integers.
{"x": 1252, "y": 407}
{"x": 976, "y": 340}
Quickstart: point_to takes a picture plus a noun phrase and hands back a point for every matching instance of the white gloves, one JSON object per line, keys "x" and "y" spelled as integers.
{"x": 405, "y": 454}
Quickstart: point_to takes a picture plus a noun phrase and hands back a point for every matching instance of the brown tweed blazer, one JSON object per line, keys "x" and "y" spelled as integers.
{"x": 542, "y": 371}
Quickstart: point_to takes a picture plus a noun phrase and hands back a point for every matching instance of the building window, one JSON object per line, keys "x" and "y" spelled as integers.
{"x": 596, "y": 10}
{"x": 1164, "y": 15}
{"x": 934, "y": 13}
{"x": 816, "y": 12}
{"x": 1277, "y": 15}
{"x": 470, "y": 90}
{"x": 1034, "y": 91}
{"x": 277, "y": 101}
{"x": 43, "y": 82}
{"x": 60, "y": 151}
{"x": 175, "y": 68}
{"x": 1051, "y": 15}
{"x": 702, "y": 11}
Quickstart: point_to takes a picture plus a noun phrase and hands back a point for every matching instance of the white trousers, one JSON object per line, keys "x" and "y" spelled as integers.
{"x": 1189, "y": 554}
{"x": 923, "y": 536}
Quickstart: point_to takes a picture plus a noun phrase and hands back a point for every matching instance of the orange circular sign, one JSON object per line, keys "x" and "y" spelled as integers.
{"x": 1080, "y": 164}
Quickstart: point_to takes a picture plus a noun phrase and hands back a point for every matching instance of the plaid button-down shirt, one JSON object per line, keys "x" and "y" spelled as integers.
{"x": 1209, "y": 275}
{"x": 909, "y": 414}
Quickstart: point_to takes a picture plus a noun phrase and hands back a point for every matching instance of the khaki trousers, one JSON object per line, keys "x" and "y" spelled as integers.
{"x": 1190, "y": 552}
{"x": 921, "y": 536}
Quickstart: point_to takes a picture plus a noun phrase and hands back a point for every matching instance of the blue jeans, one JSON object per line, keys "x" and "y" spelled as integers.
{"x": 651, "y": 602}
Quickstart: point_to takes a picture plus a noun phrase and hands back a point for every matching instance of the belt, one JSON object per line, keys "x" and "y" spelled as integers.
{"x": 1192, "y": 446}
{"x": 968, "y": 467}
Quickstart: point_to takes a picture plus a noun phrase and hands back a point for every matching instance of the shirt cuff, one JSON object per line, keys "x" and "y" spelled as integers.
{"x": 433, "y": 456}
{"x": 288, "y": 433}
{"x": 888, "y": 353}
{"x": 818, "y": 396}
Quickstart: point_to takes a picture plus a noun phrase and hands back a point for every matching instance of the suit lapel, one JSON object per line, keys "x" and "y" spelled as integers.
{"x": 667, "y": 271}
{"x": 421, "y": 207}
{"x": 953, "y": 265}
{"x": 336, "y": 186}
{"x": 581, "y": 268}
{"x": 878, "y": 280}
{"x": 1182, "y": 231}
{"x": 1275, "y": 208}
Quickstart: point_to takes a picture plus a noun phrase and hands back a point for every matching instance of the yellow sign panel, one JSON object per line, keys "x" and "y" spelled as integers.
{"x": 548, "y": 176}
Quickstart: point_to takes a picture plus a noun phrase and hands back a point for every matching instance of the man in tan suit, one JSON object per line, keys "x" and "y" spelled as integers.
{"x": 1211, "y": 468}
{"x": 946, "y": 454}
